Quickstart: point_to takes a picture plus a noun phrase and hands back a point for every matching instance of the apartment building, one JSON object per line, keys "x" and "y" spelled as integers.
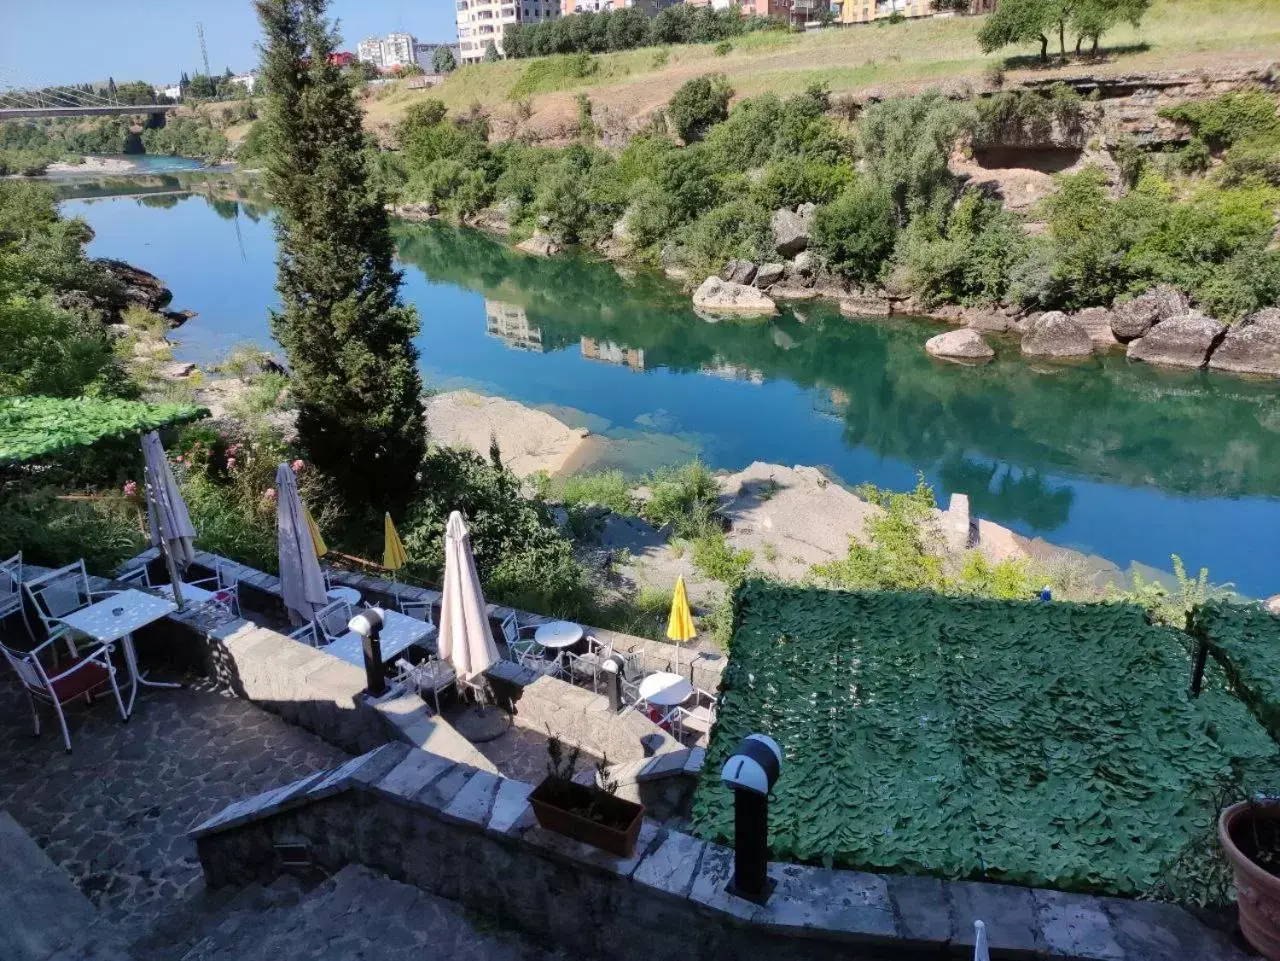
{"x": 650, "y": 7}
{"x": 482, "y": 22}
{"x": 865, "y": 11}
{"x": 386, "y": 53}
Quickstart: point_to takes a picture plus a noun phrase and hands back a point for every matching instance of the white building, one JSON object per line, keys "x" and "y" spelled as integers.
{"x": 386, "y": 53}
{"x": 173, "y": 92}
{"x": 246, "y": 80}
{"x": 482, "y": 22}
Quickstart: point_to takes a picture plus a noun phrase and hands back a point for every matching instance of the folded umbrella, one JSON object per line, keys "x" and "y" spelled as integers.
{"x": 316, "y": 539}
{"x": 167, "y": 515}
{"x": 680, "y": 624}
{"x": 393, "y": 555}
{"x": 301, "y": 582}
{"x": 465, "y": 641}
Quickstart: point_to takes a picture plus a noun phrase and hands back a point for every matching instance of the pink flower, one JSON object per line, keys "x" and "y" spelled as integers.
{"x": 130, "y": 488}
{"x": 231, "y": 462}
{"x": 297, "y": 465}
{"x": 179, "y": 459}
{"x": 271, "y": 493}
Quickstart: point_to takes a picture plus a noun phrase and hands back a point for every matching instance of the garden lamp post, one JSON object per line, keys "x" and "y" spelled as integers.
{"x": 368, "y": 624}
{"x": 751, "y": 772}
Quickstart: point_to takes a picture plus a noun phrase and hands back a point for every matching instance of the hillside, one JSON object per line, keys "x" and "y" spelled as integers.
{"x": 536, "y": 99}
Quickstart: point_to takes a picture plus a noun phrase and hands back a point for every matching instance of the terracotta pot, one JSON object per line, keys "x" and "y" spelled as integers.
{"x": 554, "y": 800}
{"x": 1257, "y": 890}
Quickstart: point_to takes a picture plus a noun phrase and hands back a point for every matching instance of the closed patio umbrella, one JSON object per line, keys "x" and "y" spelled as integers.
{"x": 317, "y": 540}
{"x": 301, "y": 582}
{"x": 465, "y": 639}
{"x": 393, "y": 553}
{"x": 680, "y": 624}
{"x": 167, "y": 516}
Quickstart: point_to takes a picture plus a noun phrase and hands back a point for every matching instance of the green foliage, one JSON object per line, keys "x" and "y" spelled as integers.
{"x": 905, "y": 143}
{"x": 1050, "y": 745}
{"x": 1020, "y": 21}
{"x": 791, "y": 181}
{"x": 1245, "y": 639}
{"x": 186, "y": 137}
{"x": 491, "y": 54}
{"x": 698, "y": 104}
{"x": 553, "y": 73}
{"x": 1172, "y": 607}
{"x": 1230, "y": 119}
{"x": 51, "y": 532}
{"x": 686, "y": 497}
{"x": 856, "y": 232}
{"x": 1013, "y": 116}
{"x": 715, "y": 559}
{"x": 348, "y": 336}
{"x": 34, "y": 427}
{"x": 609, "y": 488}
{"x": 628, "y": 28}
{"x": 737, "y": 229}
{"x": 443, "y": 61}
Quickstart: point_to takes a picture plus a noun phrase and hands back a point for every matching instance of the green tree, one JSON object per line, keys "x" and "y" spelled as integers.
{"x": 1090, "y": 19}
{"x": 698, "y": 104}
{"x": 1021, "y": 21}
{"x": 856, "y": 232}
{"x": 491, "y": 54}
{"x": 349, "y": 339}
{"x": 443, "y": 61}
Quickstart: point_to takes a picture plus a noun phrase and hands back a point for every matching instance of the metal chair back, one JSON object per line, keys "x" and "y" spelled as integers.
{"x": 332, "y": 620}
{"x": 11, "y": 583}
{"x": 57, "y": 594}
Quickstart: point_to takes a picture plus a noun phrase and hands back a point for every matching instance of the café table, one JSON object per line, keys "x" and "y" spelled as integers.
{"x": 399, "y": 633}
{"x": 665, "y": 689}
{"x": 115, "y": 618}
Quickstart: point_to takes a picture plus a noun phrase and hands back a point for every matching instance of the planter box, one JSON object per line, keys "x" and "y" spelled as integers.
{"x": 556, "y": 804}
{"x": 1257, "y": 889}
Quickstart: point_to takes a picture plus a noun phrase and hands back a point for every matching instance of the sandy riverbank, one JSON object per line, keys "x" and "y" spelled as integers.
{"x": 531, "y": 440}
{"x": 93, "y": 165}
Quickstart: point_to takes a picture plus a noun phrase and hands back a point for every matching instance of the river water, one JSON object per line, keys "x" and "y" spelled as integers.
{"x": 1122, "y": 460}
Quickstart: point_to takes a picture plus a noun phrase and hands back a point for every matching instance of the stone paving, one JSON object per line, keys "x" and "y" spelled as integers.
{"x": 114, "y": 813}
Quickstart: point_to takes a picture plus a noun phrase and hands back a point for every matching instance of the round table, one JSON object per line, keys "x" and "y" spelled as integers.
{"x": 348, "y": 594}
{"x": 665, "y": 690}
{"x": 558, "y": 634}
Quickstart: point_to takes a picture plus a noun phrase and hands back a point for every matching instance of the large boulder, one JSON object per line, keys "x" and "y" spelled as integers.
{"x": 990, "y": 321}
{"x": 769, "y": 274}
{"x": 138, "y": 287}
{"x": 540, "y": 244}
{"x": 717, "y": 296}
{"x": 805, "y": 264}
{"x": 1133, "y": 318}
{"x": 739, "y": 272}
{"x": 1273, "y": 604}
{"x": 1097, "y": 322}
{"x": 960, "y": 345}
{"x": 1054, "y": 334}
{"x": 1184, "y": 341}
{"x": 1251, "y": 346}
{"x": 790, "y": 231}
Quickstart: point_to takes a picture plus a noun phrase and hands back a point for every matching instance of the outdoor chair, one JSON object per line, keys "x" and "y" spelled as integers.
{"x": 699, "y": 716}
{"x": 138, "y": 577}
{"x": 332, "y": 620}
{"x": 631, "y": 695}
{"x": 430, "y": 677}
{"x": 521, "y": 647}
{"x": 55, "y": 595}
{"x": 85, "y": 676}
{"x": 224, "y": 587}
{"x": 307, "y": 634}
{"x": 11, "y": 591}
{"x": 587, "y": 665}
{"x": 419, "y": 610}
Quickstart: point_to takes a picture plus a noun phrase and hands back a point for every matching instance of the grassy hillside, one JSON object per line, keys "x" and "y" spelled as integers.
{"x": 537, "y": 97}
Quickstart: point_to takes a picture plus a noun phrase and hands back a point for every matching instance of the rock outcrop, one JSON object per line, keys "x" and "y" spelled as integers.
{"x": 1132, "y": 319}
{"x": 1184, "y": 341}
{"x": 541, "y": 244}
{"x": 1273, "y": 604}
{"x": 138, "y": 287}
{"x": 717, "y": 296}
{"x": 791, "y": 229}
{"x": 963, "y": 345}
{"x": 989, "y": 321}
{"x": 1251, "y": 346}
{"x": 1097, "y": 323}
{"x": 1054, "y": 334}
{"x": 739, "y": 272}
{"x": 497, "y": 218}
{"x": 769, "y": 274}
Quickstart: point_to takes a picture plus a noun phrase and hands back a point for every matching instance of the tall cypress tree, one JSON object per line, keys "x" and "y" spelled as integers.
{"x": 347, "y": 335}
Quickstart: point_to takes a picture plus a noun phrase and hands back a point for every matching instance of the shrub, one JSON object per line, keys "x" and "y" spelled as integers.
{"x": 553, "y": 73}
{"x": 1229, "y": 119}
{"x": 609, "y": 488}
{"x": 105, "y": 531}
{"x": 790, "y": 181}
{"x": 738, "y": 229}
{"x": 715, "y": 559}
{"x": 724, "y": 48}
{"x": 685, "y": 497}
{"x": 905, "y": 143}
{"x": 856, "y": 232}
{"x": 698, "y": 104}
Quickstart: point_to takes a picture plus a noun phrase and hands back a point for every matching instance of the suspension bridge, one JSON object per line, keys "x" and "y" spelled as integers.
{"x": 17, "y": 103}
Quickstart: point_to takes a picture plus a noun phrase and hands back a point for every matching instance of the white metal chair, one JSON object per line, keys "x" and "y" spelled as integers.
{"x": 11, "y": 591}
{"x": 419, "y": 610}
{"x": 588, "y": 664}
{"x": 699, "y": 717}
{"x": 429, "y": 677}
{"x": 83, "y": 677}
{"x": 224, "y": 587}
{"x": 57, "y": 594}
{"x": 138, "y": 577}
{"x": 307, "y": 634}
{"x": 524, "y": 650}
{"x": 332, "y": 619}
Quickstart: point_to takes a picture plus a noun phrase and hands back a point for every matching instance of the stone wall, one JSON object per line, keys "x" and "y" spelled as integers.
{"x": 471, "y": 837}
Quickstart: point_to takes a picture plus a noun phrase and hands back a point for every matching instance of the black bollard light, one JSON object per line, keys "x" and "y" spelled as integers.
{"x": 611, "y": 667}
{"x": 751, "y": 772}
{"x": 368, "y": 624}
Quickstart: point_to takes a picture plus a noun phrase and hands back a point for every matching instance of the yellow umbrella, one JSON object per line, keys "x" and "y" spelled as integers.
{"x": 393, "y": 555}
{"x": 316, "y": 539}
{"x": 680, "y": 624}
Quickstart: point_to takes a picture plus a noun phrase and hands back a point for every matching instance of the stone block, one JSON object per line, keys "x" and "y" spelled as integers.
{"x": 1009, "y": 913}
{"x": 441, "y": 792}
{"x": 922, "y": 906}
{"x": 693, "y": 763}
{"x": 472, "y": 804}
{"x": 1075, "y": 926}
{"x": 339, "y": 779}
{"x": 511, "y": 811}
{"x": 1149, "y": 931}
{"x": 412, "y": 775}
{"x": 379, "y": 762}
{"x": 575, "y": 852}
{"x": 671, "y": 864}
{"x": 848, "y": 904}
{"x": 708, "y": 889}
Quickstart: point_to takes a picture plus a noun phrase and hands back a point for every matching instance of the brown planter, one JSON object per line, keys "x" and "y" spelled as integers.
{"x": 556, "y": 804}
{"x": 1257, "y": 889}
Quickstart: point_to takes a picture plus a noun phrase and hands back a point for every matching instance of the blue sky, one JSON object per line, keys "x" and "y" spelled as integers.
{"x": 155, "y": 40}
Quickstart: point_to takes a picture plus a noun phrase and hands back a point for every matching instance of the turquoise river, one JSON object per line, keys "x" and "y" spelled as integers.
{"x": 1117, "y": 459}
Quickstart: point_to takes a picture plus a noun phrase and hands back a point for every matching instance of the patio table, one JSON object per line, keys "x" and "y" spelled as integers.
{"x": 343, "y": 593}
{"x": 399, "y": 633}
{"x": 190, "y": 593}
{"x": 115, "y": 618}
{"x": 665, "y": 689}
{"x": 558, "y": 635}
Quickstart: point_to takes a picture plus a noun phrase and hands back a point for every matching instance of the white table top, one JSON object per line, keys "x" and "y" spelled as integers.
{"x": 558, "y": 634}
{"x": 342, "y": 593}
{"x": 137, "y": 609}
{"x": 189, "y": 592}
{"x": 665, "y": 690}
{"x": 399, "y": 632}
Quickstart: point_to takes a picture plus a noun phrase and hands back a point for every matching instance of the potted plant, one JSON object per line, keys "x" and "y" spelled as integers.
{"x": 1250, "y": 834}
{"x": 590, "y": 813}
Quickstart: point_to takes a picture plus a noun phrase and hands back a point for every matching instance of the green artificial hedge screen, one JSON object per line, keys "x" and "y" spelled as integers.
{"x": 35, "y": 427}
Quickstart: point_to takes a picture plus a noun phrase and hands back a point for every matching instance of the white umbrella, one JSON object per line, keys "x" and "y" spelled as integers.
{"x": 167, "y": 516}
{"x": 301, "y": 582}
{"x": 465, "y": 639}
{"x": 980, "y": 951}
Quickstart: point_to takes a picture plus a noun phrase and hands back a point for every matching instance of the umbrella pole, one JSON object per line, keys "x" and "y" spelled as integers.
{"x": 174, "y": 581}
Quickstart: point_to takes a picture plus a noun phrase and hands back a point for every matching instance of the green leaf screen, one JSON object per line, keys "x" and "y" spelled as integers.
{"x": 1245, "y": 639}
{"x": 1052, "y": 745}
{"x": 34, "y": 427}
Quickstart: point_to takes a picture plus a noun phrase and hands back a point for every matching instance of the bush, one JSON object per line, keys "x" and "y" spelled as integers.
{"x": 685, "y": 497}
{"x": 905, "y": 144}
{"x": 609, "y": 488}
{"x": 105, "y": 531}
{"x": 790, "y": 181}
{"x": 738, "y": 229}
{"x": 553, "y": 73}
{"x": 698, "y": 104}
{"x": 855, "y": 234}
{"x": 1229, "y": 119}
{"x": 715, "y": 559}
